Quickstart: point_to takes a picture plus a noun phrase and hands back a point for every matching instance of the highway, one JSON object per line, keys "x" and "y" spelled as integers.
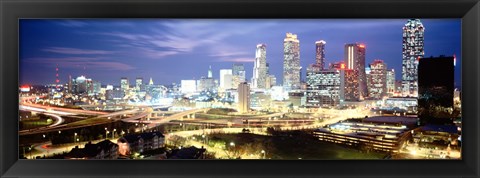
{"x": 67, "y": 110}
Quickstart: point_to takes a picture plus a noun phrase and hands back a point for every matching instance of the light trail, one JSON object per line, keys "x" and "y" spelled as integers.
{"x": 59, "y": 119}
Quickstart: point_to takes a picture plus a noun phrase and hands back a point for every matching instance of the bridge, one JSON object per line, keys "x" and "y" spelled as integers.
{"x": 177, "y": 116}
{"x": 72, "y": 111}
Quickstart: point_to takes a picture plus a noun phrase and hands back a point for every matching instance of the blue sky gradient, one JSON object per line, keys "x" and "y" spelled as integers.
{"x": 169, "y": 50}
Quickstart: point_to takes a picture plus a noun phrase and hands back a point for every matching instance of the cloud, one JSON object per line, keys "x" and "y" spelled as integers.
{"x": 72, "y": 23}
{"x": 245, "y": 59}
{"x": 174, "y": 37}
{"x": 80, "y": 62}
{"x": 62, "y": 50}
{"x": 231, "y": 53}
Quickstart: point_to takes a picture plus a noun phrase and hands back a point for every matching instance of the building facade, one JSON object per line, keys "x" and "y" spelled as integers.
{"x": 355, "y": 60}
{"x": 124, "y": 85}
{"x": 323, "y": 87}
{"x": 378, "y": 79}
{"x": 320, "y": 53}
{"x": 291, "y": 62}
{"x": 225, "y": 79}
{"x": 188, "y": 86}
{"x": 139, "y": 84}
{"x": 260, "y": 67}
{"x": 412, "y": 51}
{"x": 349, "y": 85}
{"x": 391, "y": 82}
{"x": 243, "y": 105}
{"x": 238, "y": 75}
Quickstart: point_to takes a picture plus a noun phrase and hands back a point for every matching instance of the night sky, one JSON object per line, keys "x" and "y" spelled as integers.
{"x": 169, "y": 50}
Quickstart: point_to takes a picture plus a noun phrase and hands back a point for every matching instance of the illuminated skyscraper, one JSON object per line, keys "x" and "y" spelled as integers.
{"x": 323, "y": 87}
{"x": 413, "y": 33}
{"x": 238, "y": 75}
{"x": 390, "y": 82}
{"x": 291, "y": 62}
{"x": 320, "y": 53}
{"x": 210, "y": 72}
{"x": 225, "y": 79}
{"x": 138, "y": 83}
{"x": 207, "y": 83}
{"x": 378, "y": 79}
{"x": 124, "y": 85}
{"x": 260, "y": 67}
{"x": 355, "y": 60}
{"x": 79, "y": 85}
{"x": 243, "y": 104}
{"x": 368, "y": 71}
{"x": 188, "y": 86}
{"x": 238, "y": 69}
{"x": 349, "y": 85}
{"x": 70, "y": 87}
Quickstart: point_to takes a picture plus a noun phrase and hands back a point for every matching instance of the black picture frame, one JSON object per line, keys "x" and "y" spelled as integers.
{"x": 12, "y": 10}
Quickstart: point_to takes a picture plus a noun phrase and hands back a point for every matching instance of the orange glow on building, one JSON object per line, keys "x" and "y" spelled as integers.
{"x": 361, "y": 46}
{"x": 342, "y": 66}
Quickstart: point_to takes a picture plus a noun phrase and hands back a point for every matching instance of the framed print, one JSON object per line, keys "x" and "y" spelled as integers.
{"x": 239, "y": 88}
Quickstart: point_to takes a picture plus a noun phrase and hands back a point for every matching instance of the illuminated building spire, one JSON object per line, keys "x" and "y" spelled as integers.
{"x": 151, "y": 81}
{"x": 210, "y": 72}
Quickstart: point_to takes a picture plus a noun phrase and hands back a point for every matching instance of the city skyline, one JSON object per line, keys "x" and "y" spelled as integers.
{"x": 97, "y": 51}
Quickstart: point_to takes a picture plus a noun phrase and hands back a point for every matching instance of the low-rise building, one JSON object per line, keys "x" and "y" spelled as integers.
{"x": 140, "y": 142}
{"x": 102, "y": 150}
{"x": 375, "y": 133}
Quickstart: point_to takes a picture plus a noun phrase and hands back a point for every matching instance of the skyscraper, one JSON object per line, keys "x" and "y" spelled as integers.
{"x": 349, "y": 85}
{"x": 138, "y": 83}
{"x": 368, "y": 71}
{"x": 237, "y": 69}
{"x": 413, "y": 33}
{"x": 320, "y": 53}
{"x": 435, "y": 89}
{"x": 210, "y": 72}
{"x": 225, "y": 79}
{"x": 390, "y": 81}
{"x": 79, "y": 85}
{"x": 238, "y": 75}
{"x": 260, "y": 67}
{"x": 188, "y": 86}
{"x": 291, "y": 62}
{"x": 355, "y": 60}
{"x": 378, "y": 79}
{"x": 243, "y": 104}
{"x": 124, "y": 85}
{"x": 323, "y": 87}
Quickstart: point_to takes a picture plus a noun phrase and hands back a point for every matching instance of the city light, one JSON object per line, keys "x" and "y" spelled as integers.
{"x": 238, "y": 106}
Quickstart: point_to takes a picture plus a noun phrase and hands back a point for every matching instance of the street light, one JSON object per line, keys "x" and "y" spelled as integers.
{"x": 30, "y": 151}
{"x": 113, "y": 133}
{"x": 263, "y": 152}
{"x": 106, "y": 133}
{"x": 75, "y": 138}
